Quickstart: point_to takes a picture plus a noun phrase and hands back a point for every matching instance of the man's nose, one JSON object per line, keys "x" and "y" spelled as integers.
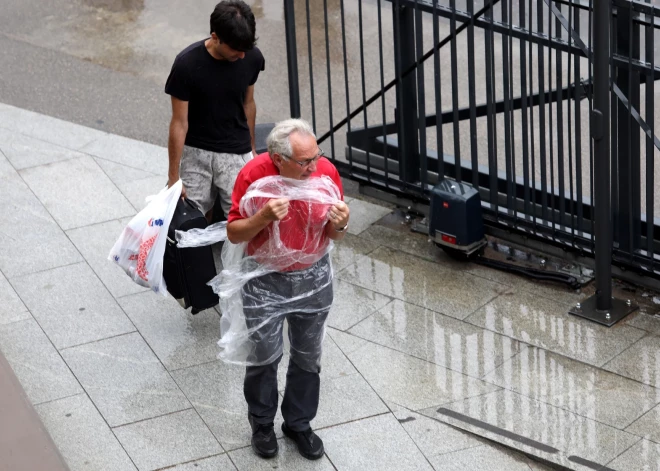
{"x": 241, "y": 55}
{"x": 312, "y": 167}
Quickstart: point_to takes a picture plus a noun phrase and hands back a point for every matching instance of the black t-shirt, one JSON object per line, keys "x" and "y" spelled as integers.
{"x": 215, "y": 91}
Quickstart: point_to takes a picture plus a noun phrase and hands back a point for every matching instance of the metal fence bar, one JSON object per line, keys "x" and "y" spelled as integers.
{"x": 542, "y": 135}
{"x": 560, "y": 126}
{"x": 363, "y": 77}
{"x": 292, "y": 55}
{"x": 346, "y": 88}
{"x": 578, "y": 127}
{"x": 382, "y": 85}
{"x": 524, "y": 109}
{"x": 570, "y": 130}
{"x": 311, "y": 66}
{"x": 506, "y": 86}
{"x": 421, "y": 100}
{"x": 438, "y": 83}
{"x": 455, "y": 91}
{"x": 490, "y": 117}
{"x": 649, "y": 46}
{"x": 327, "y": 56}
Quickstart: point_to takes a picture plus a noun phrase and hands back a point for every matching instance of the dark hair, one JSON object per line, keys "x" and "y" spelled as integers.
{"x": 233, "y": 22}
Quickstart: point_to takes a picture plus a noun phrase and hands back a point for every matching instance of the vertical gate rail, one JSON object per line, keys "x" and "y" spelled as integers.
{"x": 544, "y": 179}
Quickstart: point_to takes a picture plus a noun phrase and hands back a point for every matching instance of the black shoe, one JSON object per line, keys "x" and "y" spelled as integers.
{"x": 309, "y": 444}
{"x": 264, "y": 442}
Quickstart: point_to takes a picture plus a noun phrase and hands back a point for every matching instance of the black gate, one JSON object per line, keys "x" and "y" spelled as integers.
{"x": 510, "y": 96}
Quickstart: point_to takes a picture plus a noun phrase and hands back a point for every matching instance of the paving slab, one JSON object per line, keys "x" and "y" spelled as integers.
{"x": 82, "y": 436}
{"x": 38, "y": 366}
{"x": 136, "y": 191}
{"x": 23, "y": 151}
{"x": 440, "y": 339}
{"x": 547, "y": 324}
{"x": 47, "y": 128}
{"x": 349, "y": 250}
{"x": 31, "y": 240}
{"x": 375, "y": 443}
{"x": 94, "y": 243}
{"x": 130, "y": 152}
{"x": 120, "y": 173}
{"x": 644, "y": 320}
{"x": 125, "y": 379}
{"x": 647, "y": 425}
{"x": 77, "y": 192}
{"x": 216, "y": 391}
{"x": 364, "y": 214}
{"x": 287, "y": 459}
{"x": 168, "y": 440}
{"x": 411, "y": 382}
{"x": 433, "y": 437}
{"x": 575, "y": 386}
{"x": 215, "y": 463}
{"x": 72, "y": 306}
{"x": 12, "y": 308}
{"x": 492, "y": 458}
{"x": 640, "y": 362}
{"x": 178, "y": 338}
{"x": 537, "y": 428}
{"x": 352, "y": 304}
{"x": 643, "y": 456}
{"x": 421, "y": 282}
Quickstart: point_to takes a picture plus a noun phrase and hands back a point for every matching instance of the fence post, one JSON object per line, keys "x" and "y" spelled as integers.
{"x": 406, "y": 92}
{"x": 602, "y": 307}
{"x": 292, "y": 57}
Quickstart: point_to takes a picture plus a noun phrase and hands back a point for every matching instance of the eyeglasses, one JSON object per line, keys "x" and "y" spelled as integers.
{"x": 307, "y": 162}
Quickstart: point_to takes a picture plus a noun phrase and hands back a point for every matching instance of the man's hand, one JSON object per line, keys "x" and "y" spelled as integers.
{"x": 338, "y": 215}
{"x": 171, "y": 182}
{"x": 275, "y": 210}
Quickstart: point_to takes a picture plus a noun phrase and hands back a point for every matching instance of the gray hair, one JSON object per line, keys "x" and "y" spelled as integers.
{"x": 278, "y": 140}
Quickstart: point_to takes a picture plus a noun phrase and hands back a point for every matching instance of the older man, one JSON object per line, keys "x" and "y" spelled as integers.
{"x": 292, "y": 153}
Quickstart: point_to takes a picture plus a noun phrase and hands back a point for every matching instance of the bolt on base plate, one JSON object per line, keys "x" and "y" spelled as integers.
{"x": 587, "y": 309}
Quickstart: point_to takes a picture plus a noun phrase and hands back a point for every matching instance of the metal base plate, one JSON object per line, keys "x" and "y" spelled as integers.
{"x": 587, "y": 309}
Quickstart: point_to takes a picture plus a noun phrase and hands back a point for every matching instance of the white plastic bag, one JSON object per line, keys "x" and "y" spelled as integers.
{"x": 141, "y": 246}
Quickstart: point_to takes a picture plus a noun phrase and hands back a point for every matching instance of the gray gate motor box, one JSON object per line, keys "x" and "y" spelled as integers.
{"x": 455, "y": 221}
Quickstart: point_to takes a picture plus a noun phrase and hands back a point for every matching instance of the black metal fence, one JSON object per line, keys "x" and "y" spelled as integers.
{"x": 497, "y": 93}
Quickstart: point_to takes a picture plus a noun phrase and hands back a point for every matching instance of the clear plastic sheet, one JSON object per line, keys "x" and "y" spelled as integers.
{"x": 200, "y": 237}
{"x": 284, "y": 272}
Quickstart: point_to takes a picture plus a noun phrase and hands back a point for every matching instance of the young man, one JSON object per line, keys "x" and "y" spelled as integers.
{"x": 213, "y": 110}
{"x": 301, "y": 293}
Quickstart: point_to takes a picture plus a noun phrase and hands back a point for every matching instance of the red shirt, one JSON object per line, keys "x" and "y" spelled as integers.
{"x": 303, "y": 228}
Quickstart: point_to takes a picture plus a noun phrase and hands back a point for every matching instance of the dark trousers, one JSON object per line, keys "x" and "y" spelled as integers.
{"x": 304, "y": 299}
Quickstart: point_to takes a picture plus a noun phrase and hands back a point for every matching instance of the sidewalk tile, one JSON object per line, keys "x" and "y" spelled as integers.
{"x": 12, "y": 308}
{"x": 433, "y": 437}
{"x": 442, "y": 340}
{"x": 352, "y": 304}
{"x": 77, "y": 192}
{"x": 577, "y": 387}
{"x": 47, "y": 128}
{"x": 643, "y": 456}
{"x": 137, "y": 191}
{"x": 23, "y": 151}
{"x": 421, "y": 282}
{"x": 32, "y": 241}
{"x": 378, "y": 443}
{"x": 534, "y": 421}
{"x": 94, "y": 243}
{"x": 72, "y": 306}
{"x": 82, "y": 436}
{"x": 645, "y": 321}
{"x": 287, "y": 459}
{"x": 490, "y": 457}
{"x": 119, "y": 173}
{"x": 178, "y": 338}
{"x": 412, "y": 243}
{"x": 348, "y": 250}
{"x": 346, "y": 399}
{"x": 347, "y": 343}
{"x": 124, "y": 379}
{"x": 37, "y": 365}
{"x": 411, "y": 382}
{"x": 215, "y": 463}
{"x": 168, "y": 440}
{"x": 640, "y": 362}
{"x": 216, "y": 391}
{"x": 364, "y": 214}
{"x": 547, "y": 324}
{"x": 647, "y": 425}
{"x": 136, "y": 154}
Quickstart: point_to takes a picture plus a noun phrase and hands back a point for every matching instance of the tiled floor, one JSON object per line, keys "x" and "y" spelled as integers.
{"x": 424, "y": 356}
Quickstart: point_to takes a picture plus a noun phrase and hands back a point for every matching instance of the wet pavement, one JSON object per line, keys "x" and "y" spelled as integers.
{"x": 428, "y": 363}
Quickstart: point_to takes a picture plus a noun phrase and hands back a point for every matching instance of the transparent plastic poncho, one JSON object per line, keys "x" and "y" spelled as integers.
{"x": 284, "y": 272}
